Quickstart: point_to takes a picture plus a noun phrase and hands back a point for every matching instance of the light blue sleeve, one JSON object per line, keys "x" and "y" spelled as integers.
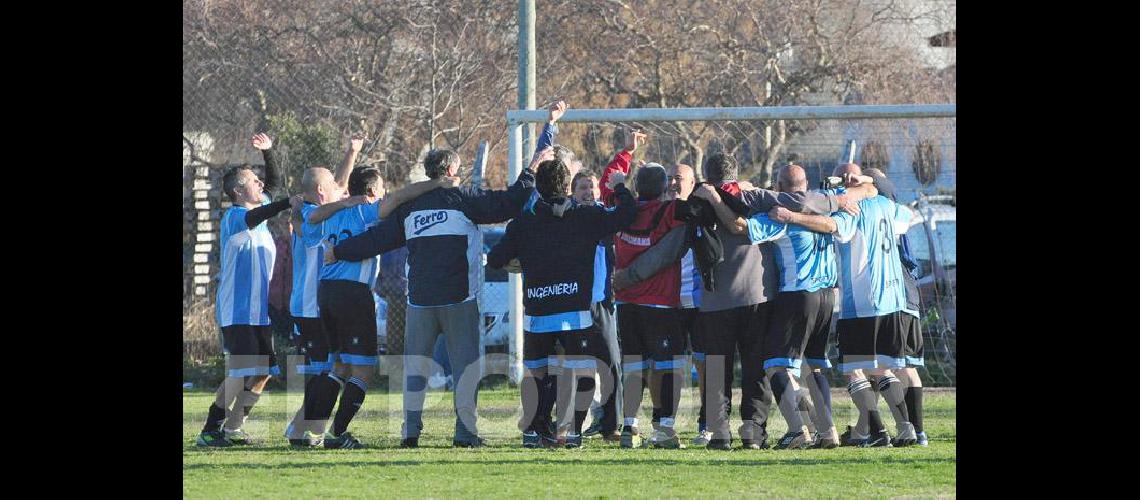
{"x": 902, "y": 218}
{"x": 761, "y": 229}
{"x": 845, "y": 226}
{"x": 311, "y": 234}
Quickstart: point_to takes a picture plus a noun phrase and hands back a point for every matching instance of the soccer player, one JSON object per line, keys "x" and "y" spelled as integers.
{"x": 735, "y": 315}
{"x": 911, "y": 324}
{"x": 347, "y": 309}
{"x": 801, "y": 310}
{"x": 558, "y": 256}
{"x": 247, "y": 258}
{"x": 311, "y": 340}
{"x": 444, "y": 257}
{"x": 873, "y": 297}
{"x": 648, "y": 313}
{"x": 586, "y": 191}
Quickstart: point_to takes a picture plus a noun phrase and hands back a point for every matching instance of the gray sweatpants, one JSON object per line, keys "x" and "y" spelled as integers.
{"x": 459, "y": 323}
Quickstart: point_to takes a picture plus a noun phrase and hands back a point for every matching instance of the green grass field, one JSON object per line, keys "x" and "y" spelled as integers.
{"x": 504, "y": 469}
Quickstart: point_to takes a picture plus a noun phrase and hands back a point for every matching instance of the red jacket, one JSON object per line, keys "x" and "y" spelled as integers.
{"x": 620, "y": 163}
{"x": 663, "y": 288}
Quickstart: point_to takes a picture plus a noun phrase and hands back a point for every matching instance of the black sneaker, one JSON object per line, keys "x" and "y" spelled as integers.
{"x": 719, "y": 444}
{"x": 594, "y": 429}
{"x": 213, "y": 439}
{"x": 531, "y": 439}
{"x": 343, "y": 442}
{"x": 412, "y": 442}
{"x": 880, "y": 440}
{"x": 573, "y": 441}
{"x": 846, "y": 439}
{"x": 473, "y": 443}
{"x": 794, "y": 441}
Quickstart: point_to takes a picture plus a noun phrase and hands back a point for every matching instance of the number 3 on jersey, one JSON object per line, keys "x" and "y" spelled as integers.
{"x": 333, "y": 238}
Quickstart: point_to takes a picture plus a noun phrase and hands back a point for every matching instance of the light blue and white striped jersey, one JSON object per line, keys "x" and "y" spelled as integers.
{"x": 870, "y": 273}
{"x": 344, "y": 224}
{"x": 806, "y": 258}
{"x": 306, "y": 273}
{"x": 247, "y": 267}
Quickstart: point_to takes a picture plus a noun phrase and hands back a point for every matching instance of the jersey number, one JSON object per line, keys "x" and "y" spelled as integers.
{"x": 886, "y": 235}
{"x": 344, "y": 234}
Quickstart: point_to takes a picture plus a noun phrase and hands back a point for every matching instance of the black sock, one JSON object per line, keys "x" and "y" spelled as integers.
{"x": 670, "y": 395}
{"x": 824, "y": 389}
{"x": 582, "y": 401}
{"x": 350, "y": 402}
{"x": 914, "y": 406}
{"x": 540, "y": 422}
{"x": 325, "y": 398}
{"x": 214, "y": 418}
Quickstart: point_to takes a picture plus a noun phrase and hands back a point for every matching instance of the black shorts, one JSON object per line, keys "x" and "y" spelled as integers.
{"x": 249, "y": 350}
{"x": 794, "y": 317}
{"x": 912, "y": 345}
{"x": 313, "y": 344}
{"x": 691, "y": 329}
{"x": 583, "y": 349}
{"x": 740, "y": 328}
{"x": 655, "y": 333}
{"x": 348, "y": 315}
{"x": 815, "y": 353}
{"x": 867, "y": 343}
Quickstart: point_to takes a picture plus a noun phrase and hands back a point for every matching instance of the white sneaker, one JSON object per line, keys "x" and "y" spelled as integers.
{"x": 702, "y": 438}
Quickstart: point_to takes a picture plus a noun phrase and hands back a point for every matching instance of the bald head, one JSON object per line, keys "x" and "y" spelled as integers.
{"x": 682, "y": 180}
{"x": 791, "y": 178}
{"x": 318, "y": 185}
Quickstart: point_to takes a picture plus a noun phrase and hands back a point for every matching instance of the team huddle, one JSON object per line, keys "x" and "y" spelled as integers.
{"x": 623, "y": 290}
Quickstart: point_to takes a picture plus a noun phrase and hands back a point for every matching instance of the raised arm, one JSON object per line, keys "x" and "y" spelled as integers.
{"x": 620, "y": 163}
{"x": 550, "y": 130}
{"x": 413, "y": 191}
{"x": 274, "y": 177}
{"x": 345, "y": 170}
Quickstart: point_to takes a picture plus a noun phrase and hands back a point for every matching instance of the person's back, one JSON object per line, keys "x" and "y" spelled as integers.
{"x": 445, "y": 244}
{"x": 557, "y": 254}
{"x": 870, "y": 274}
{"x": 654, "y": 220}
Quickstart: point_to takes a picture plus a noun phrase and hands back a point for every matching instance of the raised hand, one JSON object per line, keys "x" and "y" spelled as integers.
{"x": 262, "y": 141}
{"x": 357, "y": 142}
{"x": 556, "y": 110}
